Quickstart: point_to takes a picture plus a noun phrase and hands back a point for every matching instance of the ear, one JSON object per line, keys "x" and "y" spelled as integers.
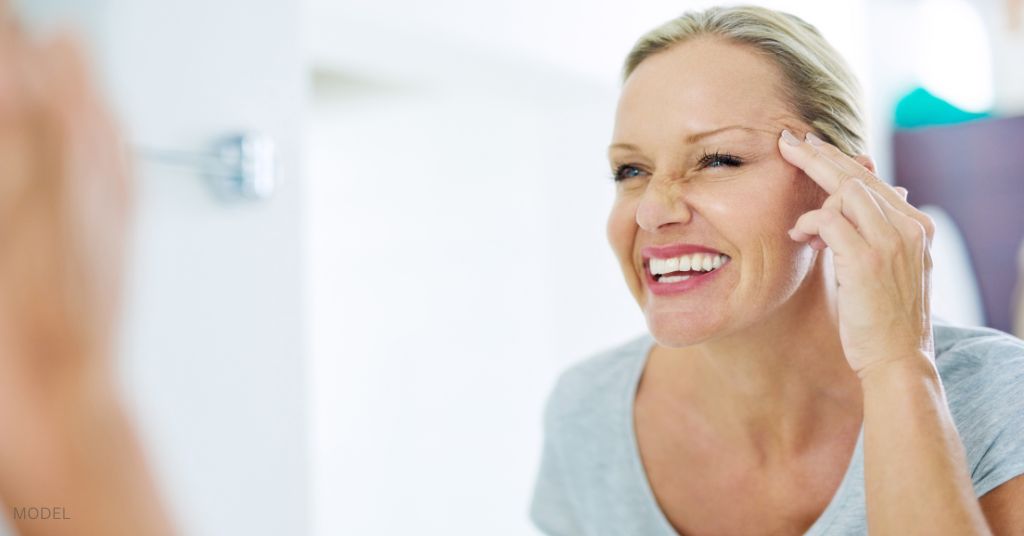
{"x": 866, "y": 161}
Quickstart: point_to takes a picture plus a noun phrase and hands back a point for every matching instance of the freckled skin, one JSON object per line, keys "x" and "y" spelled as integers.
{"x": 744, "y": 212}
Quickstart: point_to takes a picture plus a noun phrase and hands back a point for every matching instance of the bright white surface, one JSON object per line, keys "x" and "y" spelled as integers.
{"x": 955, "y": 294}
{"x": 401, "y": 38}
{"x": 440, "y": 226}
{"x": 1006, "y": 41}
{"x": 958, "y": 70}
{"x": 215, "y": 332}
{"x": 215, "y": 347}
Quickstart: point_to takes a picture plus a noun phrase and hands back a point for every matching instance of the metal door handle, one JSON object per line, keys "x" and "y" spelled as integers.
{"x": 239, "y": 166}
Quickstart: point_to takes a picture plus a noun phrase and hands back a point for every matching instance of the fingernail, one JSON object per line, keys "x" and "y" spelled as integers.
{"x": 790, "y": 138}
{"x": 814, "y": 140}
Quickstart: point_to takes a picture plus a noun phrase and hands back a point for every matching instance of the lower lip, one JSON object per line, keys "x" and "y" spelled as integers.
{"x": 662, "y": 289}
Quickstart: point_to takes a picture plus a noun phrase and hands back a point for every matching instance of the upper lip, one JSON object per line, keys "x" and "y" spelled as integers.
{"x": 675, "y": 250}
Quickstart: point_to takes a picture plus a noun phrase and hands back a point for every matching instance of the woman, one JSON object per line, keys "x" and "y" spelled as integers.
{"x": 70, "y": 461}
{"x": 792, "y": 381}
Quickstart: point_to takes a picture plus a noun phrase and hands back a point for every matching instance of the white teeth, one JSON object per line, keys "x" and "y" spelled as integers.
{"x": 673, "y": 279}
{"x": 704, "y": 262}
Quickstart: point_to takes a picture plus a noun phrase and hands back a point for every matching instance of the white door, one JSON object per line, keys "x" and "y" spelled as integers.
{"x": 213, "y": 353}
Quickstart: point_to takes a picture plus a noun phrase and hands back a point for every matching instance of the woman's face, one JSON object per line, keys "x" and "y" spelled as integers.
{"x": 697, "y": 163}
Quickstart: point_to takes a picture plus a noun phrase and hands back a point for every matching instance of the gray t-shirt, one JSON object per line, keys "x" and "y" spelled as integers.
{"x": 591, "y": 480}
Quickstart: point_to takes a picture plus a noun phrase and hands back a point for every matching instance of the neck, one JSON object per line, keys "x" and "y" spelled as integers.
{"x": 779, "y": 386}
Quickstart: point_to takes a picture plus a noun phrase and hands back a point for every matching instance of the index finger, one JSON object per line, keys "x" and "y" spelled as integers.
{"x": 817, "y": 166}
{"x": 889, "y": 192}
{"x": 826, "y": 165}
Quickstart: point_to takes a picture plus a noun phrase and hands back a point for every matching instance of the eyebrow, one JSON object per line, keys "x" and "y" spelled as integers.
{"x": 692, "y": 138}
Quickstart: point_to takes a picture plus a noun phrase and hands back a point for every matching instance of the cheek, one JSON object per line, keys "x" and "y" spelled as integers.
{"x": 782, "y": 263}
{"x": 775, "y": 208}
{"x": 748, "y": 214}
{"x": 756, "y": 223}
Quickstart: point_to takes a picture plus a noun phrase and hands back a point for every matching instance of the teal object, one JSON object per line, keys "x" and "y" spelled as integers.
{"x": 921, "y": 108}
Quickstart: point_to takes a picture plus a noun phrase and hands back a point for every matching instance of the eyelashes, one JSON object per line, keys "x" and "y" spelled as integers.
{"x": 726, "y": 160}
{"x": 707, "y": 160}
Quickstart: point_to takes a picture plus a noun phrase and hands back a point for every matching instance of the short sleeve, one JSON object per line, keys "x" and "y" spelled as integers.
{"x": 551, "y": 508}
{"x": 986, "y": 394}
{"x": 1001, "y": 450}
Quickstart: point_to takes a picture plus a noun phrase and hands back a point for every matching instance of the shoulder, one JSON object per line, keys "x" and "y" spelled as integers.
{"x": 596, "y": 381}
{"x": 982, "y": 370}
{"x": 977, "y": 360}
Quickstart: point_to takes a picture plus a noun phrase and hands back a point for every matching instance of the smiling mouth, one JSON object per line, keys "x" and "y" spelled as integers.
{"x": 683, "y": 267}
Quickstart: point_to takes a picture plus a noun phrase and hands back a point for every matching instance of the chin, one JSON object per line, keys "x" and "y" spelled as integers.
{"x": 678, "y": 329}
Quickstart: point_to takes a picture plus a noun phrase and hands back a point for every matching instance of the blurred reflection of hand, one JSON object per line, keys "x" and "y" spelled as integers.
{"x": 65, "y": 440}
{"x": 64, "y": 202}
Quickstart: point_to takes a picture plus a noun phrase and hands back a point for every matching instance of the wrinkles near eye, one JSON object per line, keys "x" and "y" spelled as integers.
{"x": 717, "y": 165}
{"x": 718, "y": 159}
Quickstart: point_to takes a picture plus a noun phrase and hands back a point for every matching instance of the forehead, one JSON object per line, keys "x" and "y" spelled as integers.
{"x": 697, "y": 86}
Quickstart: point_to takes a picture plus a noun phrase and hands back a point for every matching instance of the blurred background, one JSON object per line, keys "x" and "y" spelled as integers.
{"x": 367, "y": 350}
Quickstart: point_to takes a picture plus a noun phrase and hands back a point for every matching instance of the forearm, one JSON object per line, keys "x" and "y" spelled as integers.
{"x": 83, "y": 462}
{"x": 915, "y": 469}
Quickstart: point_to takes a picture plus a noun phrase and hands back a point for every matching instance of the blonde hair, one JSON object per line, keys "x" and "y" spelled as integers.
{"x": 817, "y": 82}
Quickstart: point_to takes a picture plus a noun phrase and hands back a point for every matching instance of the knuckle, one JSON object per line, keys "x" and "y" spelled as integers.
{"x": 833, "y": 201}
{"x": 830, "y": 215}
{"x": 917, "y": 232}
{"x": 847, "y": 182}
{"x": 928, "y": 224}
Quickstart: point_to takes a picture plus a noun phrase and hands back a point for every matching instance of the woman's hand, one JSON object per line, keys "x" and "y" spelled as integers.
{"x": 64, "y": 207}
{"x": 66, "y": 441}
{"x": 880, "y": 245}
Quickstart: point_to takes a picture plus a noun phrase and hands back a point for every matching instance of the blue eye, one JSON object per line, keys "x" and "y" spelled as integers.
{"x": 707, "y": 160}
{"x": 618, "y": 175}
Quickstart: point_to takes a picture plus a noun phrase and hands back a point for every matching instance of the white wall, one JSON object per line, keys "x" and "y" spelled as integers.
{"x": 213, "y": 357}
{"x": 216, "y": 332}
{"x": 441, "y": 222}
{"x": 1006, "y": 38}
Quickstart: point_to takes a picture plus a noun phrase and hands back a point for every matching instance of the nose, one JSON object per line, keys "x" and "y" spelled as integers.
{"x": 662, "y": 203}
